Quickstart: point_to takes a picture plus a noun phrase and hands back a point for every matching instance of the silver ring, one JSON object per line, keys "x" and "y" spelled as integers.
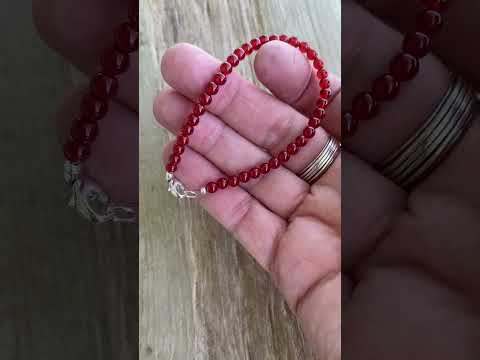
{"x": 320, "y": 165}
{"x": 429, "y": 145}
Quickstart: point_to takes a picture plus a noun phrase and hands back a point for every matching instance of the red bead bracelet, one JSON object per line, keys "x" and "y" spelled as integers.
{"x": 403, "y": 68}
{"x": 212, "y": 88}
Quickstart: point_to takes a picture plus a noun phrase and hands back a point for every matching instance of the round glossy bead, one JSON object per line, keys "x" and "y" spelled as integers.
{"x": 429, "y": 21}
{"x": 274, "y": 163}
{"x": 222, "y": 183}
{"x": 127, "y": 38}
{"x": 76, "y": 152}
{"x": 178, "y": 149}
{"x": 292, "y": 148}
{"x": 314, "y": 122}
{"x": 256, "y": 44}
{"x": 283, "y": 156}
{"x": 434, "y": 4}
{"x": 84, "y": 132}
{"x": 103, "y": 87}
{"x": 198, "y": 110}
{"x": 212, "y": 187}
{"x": 226, "y": 68}
{"x": 247, "y": 48}
{"x": 322, "y": 103}
{"x": 193, "y": 120}
{"x": 171, "y": 168}
{"x": 233, "y": 60}
{"x": 205, "y": 99}
{"x": 219, "y": 79}
{"x": 404, "y": 67}
{"x": 233, "y": 181}
{"x": 115, "y": 62}
{"x": 244, "y": 176}
{"x": 264, "y": 168}
{"x": 318, "y": 64}
{"x": 254, "y": 172}
{"x": 272, "y": 38}
{"x": 325, "y": 93}
{"x": 324, "y": 83}
{"x": 303, "y": 47}
{"x": 417, "y": 44}
{"x": 294, "y": 41}
{"x": 182, "y": 140}
{"x": 263, "y": 39}
{"x": 319, "y": 113}
{"x": 322, "y": 74}
{"x": 301, "y": 140}
{"x": 385, "y": 88}
{"x": 364, "y": 106}
{"x": 212, "y": 88}
{"x": 311, "y": 54}
{"x": 93, "y": 109}
{"x": 187, "y": 130}
{"x": 283, "y": 38}
{"x": 240, "y": 54}
{"x": 349, "y": 125}
{"x": 174, "y": 159}
{"x": 309, "y": 132}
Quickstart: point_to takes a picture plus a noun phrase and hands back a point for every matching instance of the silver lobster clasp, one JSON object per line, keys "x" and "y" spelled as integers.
{"x": 177, "y": 189}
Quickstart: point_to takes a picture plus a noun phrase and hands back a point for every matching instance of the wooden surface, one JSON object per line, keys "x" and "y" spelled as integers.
{"x": 68, "y": 290}
{"x": 201, "y": 296}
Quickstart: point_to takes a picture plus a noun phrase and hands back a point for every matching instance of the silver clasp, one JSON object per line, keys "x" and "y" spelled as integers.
{"x": 178, "y": 190}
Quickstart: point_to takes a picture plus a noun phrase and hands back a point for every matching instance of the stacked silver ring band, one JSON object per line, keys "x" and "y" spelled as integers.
{"x": 416, "y": 158}
{"x": 319, "y": 166}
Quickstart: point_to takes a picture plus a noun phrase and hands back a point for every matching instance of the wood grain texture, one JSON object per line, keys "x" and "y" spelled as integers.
{"x": 201, "y": 295}
{"x": 68, "y": 289}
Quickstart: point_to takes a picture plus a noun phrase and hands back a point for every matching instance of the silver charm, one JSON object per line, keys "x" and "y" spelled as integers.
{"x": 178, "y": 190}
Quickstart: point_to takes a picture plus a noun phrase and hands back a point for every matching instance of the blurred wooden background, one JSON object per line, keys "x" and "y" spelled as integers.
{"x": 68, "y": 289}
{"x": 201, "y": 296}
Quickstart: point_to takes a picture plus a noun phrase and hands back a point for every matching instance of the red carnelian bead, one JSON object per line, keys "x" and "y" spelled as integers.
{"x": 244, "y": 176}
{"x": 322, "y": 74}
{"x": 319, "y": 113}
{"x": 364, "y": 106}
{"x": 247, "y": 48}
{"x": 284, "y": 156}
{"x": 239, "y": 53}
{"x": 385, "y": 88}
{"x": 182, "y": 140}
{"x": 283, "y": 38}
{"x": 233, "y": 181}
{"x": 254, "y": 172}
{"x": 256, "y": 44}
{"x": 349, "y": 125}
{"x": 193, "y": 120}
{"x": 324, "y": 83}
{"x": 309, "y": 132}
{"x": 318, "y": 64}
{"x": 198, "y": 110}
{"x": 273, "y": 38}
{"x": 222, "y": 183}
{"x": 417, "y": 44}
{"x": 303, "y": 47}
{"x": 226, "y": 68}
{"x": 311, "y": 54}
{"x": 264, "y": 168}
{"x": 219, "y": 79}
{"x": 325, "y": 93}
{"x": 171, "y": 168}
{"x": 322, "y": 103}
{"x": 127, "y": 38}
{"x": 429, "y": 21}
{"x": 301, "y": 141}
{"x": 314, "y": 122}
{"x": 404, "y": 67}
{"x": 93, "y": 109}
{"x": 104, "y": 87}
{"x": 84, "y": 132}
{"x": 233, "y": 60}
{"x": 115, "y": 62}
{"x": 187, "y": 130}
{"x": 212, "y": 187}
{"x": 434, "y": 4}
{"x": 205, "y": 99}
{"x": 294, "y": 41}
{"x": 211, "y": 89}
{"x": 174, "y": 159}
{"x": 292, "y": 148}
{"x": 178, "y": 149}
{"x": 274, "y": 163}
{"x": 263, "y": 39}
{"x": 76, "y": 152}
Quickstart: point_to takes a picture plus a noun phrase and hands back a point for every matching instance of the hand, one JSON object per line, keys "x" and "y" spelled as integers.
{"x": 411, "y": 257}
{"x": 292, "y": 229}
{"x": 114, "y": 154}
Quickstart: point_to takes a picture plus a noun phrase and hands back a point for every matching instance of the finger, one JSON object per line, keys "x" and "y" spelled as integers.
{"x": 231, "y": 153}
{"x": 460, "y": 18}
{"x": 264, "y": 120}
{"x": 364, "y": 61}
{"x": 255, "y": 227}
{"x": 82, "y": 32}
{"x": 291, "y": 78}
